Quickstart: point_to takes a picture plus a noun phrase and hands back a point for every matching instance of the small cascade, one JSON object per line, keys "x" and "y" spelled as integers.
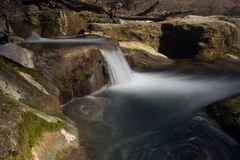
{"x": 118, "y": 68}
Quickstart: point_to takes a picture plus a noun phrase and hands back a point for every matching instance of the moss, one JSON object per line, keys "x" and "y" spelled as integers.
{"x": 140, "y": 47}
{"x": 32, "y": 19}
{"x": 145, "y": 33}
{"x": 228, "y": 114}
{"x": 15, "y": 66}
{"x": 11, "y": 157}
{"x": 32, "y": 127}
{"x": 95, "y": 18}
{"x": 233, "y": 105}
{"x": 49, "y": 25}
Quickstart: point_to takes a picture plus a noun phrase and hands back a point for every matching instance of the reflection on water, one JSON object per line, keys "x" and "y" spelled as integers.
{"x": 160, "y": 116}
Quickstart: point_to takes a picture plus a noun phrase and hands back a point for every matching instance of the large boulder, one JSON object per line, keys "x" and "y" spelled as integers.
{"x": 17, "y": 54}
{"x": 203, "y": 38}
{"x": 141, "y": 56}
{"x": 28, "y": 86}
{"x": 25, "y": 133}
{"x": 146, "y": 33}
{"x": 48, "y": 24}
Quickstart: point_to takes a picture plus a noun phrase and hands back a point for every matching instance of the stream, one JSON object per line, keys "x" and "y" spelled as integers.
{"x": 156, "y": 115}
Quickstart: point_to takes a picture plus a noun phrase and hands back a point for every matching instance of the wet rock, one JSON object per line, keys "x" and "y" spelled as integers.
{"x": 24, "y": 131}
{"x": 141, "y": 56}
{"x": 227, "y": 113}
{"x": 75, "y": 71}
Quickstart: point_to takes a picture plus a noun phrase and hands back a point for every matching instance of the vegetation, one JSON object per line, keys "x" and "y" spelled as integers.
{"x": 228, "y": 113}
{"x": 94, "y": 18}
{"x": 49, "y": 25}
{"x": 32, "y": 127}
{"x": 15, "y": 66}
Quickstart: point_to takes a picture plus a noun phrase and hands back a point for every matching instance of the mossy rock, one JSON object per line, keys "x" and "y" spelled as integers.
{"x": 26, "y": 127}
{"x": 33, "y": 126}
{"x": 227, "y": 113}
{"x": 49, "y": 25}
{"x": 97, "y": 18}
{"x": 148, "y": 34}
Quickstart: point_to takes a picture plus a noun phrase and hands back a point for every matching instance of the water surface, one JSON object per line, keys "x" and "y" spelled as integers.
{"x": 161, "y": 116}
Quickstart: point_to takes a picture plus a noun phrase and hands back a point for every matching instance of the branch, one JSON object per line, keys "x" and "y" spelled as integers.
{"x": 148, "y": 10}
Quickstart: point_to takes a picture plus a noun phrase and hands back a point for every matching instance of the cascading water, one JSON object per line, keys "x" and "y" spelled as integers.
{"x": 118, "y": 68}
{"x": 157, "y": 116}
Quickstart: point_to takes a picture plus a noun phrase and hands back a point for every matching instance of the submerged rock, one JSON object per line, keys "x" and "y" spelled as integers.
{"x": 87, "y": 108}
{"x": 227, "y": 113}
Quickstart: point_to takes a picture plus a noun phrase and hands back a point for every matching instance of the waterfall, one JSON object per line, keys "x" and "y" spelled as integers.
{"x": 118, "y": 68}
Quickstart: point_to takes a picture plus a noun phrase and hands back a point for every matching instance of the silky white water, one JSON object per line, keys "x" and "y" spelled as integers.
{"x": 118, "y": 68}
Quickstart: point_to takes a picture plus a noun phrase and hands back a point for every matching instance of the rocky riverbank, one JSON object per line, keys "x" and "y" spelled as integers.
{"x": 35, "y": 82}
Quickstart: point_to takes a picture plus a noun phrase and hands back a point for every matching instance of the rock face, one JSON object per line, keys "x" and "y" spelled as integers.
{"x": 75, "y": 71}
{"x": 203, "y": 38}
{"x": 3, "y": 30}
{"x": 23, "y": 130}
{"x": 11, "y": 7}
{"x": 141, "y": 56}
{"x": 146, "y": 33}
{"x": 26, "y": 85}
{"x": 48, "y": 24}
{"x": 59, "y": 74}
{"x": 17, "y": 54}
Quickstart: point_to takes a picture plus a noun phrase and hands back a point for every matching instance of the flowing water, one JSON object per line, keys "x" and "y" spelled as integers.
{"x": 118, "y": 67}
{"x": 152, "y": 116}
{"x": 159, "y": 115}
